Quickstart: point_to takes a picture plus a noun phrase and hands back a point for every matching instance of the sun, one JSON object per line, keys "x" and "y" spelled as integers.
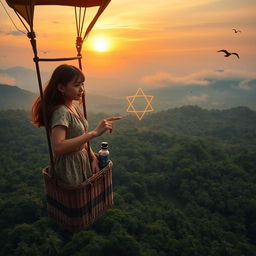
{"x": 100, "y": 44}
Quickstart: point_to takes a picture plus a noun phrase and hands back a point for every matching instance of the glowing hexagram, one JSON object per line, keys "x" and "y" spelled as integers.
{"x": 139, "y": 94}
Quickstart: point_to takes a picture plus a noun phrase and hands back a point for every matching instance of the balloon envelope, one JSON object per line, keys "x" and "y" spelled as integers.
{"x": 26, "y": 7}
{"x": 79, "y": 3}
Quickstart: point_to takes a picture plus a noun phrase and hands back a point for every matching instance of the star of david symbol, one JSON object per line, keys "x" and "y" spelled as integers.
{"x": 139, "y": 94}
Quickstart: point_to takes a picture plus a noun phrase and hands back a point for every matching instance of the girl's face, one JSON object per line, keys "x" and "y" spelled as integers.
{"x": 73, "y": 90}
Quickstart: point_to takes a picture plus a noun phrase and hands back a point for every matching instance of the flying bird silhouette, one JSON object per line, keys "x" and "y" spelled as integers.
{"x": 236, "y": 30}
{"x": 227, "y": 54}
{"x": 44, "y": 52}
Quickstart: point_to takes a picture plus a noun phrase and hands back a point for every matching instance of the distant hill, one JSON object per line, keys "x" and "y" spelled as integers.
{"x": 25, "y": 77}
{"x": 232, "y": 126}
{"x": 12, "y": 97}
{"x": 219, "y": 95}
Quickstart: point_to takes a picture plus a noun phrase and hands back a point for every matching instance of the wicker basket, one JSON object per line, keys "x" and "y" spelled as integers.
{"x": 77, "y": 206}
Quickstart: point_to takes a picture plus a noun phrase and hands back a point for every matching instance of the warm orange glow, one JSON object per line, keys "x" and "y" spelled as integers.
{"x": 100, "y": 43}
{"x": 137, "y": 40}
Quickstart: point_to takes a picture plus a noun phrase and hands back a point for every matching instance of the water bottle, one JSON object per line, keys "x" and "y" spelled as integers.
{"x": 103, "y": 155}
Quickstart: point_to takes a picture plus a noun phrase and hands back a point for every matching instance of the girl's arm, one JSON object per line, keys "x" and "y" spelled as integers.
{"x": 61, "y": 145}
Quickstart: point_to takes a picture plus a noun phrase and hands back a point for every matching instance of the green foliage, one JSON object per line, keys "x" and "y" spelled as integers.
{"x": 184, "y": 185}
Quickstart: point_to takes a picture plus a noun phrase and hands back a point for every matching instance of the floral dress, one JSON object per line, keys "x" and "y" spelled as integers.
{"x": 74, "y": 167}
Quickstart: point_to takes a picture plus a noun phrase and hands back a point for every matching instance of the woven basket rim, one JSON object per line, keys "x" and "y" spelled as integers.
{"x": 61, "y": 184}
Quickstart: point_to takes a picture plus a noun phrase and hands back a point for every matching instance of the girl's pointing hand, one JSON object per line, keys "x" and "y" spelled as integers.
{"x": 105, "y": 124}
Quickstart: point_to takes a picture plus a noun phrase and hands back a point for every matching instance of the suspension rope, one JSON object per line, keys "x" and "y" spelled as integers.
{"x": 83, "y": 21}
{"x": 79, "y": 19}
{"x": 77, "y": 29}
{"x": 12, "y": 19}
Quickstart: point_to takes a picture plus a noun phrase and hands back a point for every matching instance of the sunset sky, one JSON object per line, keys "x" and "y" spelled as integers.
{"x": 151, "y": 43}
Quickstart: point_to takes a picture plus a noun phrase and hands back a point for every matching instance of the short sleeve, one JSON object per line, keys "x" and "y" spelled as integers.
{"x": 60, "y": 116}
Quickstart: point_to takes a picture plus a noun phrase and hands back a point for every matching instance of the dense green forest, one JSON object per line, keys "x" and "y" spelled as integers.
{"x": 184, "y": 185}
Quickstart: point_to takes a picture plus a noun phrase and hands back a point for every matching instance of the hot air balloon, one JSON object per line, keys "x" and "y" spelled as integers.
{"x": 74, "y": 206}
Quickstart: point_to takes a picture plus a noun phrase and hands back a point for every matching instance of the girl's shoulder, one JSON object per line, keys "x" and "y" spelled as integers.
{"x": 60, "y": 108}
{"x": 61, "y": 111}
{"x": 60, "y": 116}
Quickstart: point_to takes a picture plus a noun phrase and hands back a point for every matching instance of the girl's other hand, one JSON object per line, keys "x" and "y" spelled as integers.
{"x": 95, "y": 165}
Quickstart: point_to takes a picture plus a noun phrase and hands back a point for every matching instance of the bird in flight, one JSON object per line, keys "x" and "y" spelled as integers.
{"x": 44, "y": 52}
{"x": 236, "y": 30}
{"x": 227, "y": 54}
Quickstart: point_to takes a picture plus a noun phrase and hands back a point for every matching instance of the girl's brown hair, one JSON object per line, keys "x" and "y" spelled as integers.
{"x": 63, "y": 74}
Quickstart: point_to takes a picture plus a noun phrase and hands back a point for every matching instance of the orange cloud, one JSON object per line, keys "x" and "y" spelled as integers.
{"x": 203, "y": 78}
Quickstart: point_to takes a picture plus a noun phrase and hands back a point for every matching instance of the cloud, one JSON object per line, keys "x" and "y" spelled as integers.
{"x": 200, "y": 98}
{"x": 201, "y": 78}
{"x": 11, "y": 32}
{"x": 5, "y": 79}
{"x": 247, "y": 85}
{"x": 15, "y": 33}
{"x": 169, "y": 80}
